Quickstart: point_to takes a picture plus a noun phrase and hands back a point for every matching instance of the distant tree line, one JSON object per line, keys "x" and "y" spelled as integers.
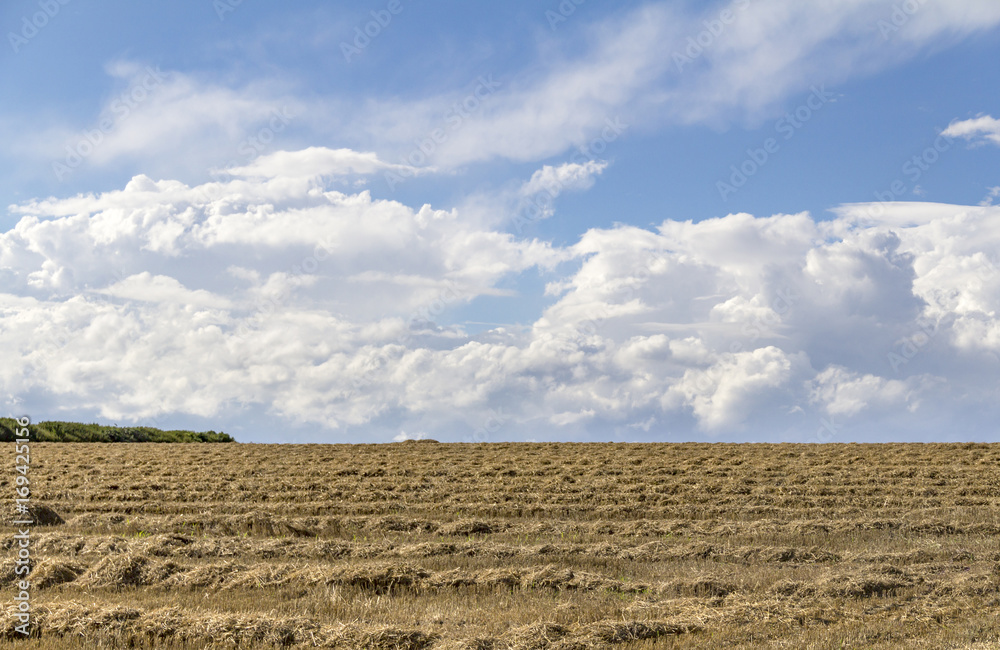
{"x": 78, "y": 432}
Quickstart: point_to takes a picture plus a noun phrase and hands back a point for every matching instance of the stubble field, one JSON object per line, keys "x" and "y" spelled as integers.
{"x": 488, "y": 547}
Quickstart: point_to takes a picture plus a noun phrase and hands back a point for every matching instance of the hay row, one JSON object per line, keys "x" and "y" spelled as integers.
{"x": 136, "y": 627}
{"x": 192, "y": 547}
{"x": 128, "y": 570}
{"x": 263, "y": 524}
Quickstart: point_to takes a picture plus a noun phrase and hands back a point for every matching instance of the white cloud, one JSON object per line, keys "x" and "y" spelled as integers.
{"x": 593, "y": 83}
{"x": 776, "y": 49}
{"x": 639, "y": 70}
{"x": 566, "y": 177}
{"x": 163, "y": 289}
{"x": 725, "y": 394}
{"x": 979, "y": 130}
{"x": 316, "y": 162}
{"x": 273, "y": 292}
{"x": 845, "y": 393}
{"x": 170, "y": 121}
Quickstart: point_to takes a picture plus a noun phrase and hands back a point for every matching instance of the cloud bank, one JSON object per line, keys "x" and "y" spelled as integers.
{"x": 271, "y": 291}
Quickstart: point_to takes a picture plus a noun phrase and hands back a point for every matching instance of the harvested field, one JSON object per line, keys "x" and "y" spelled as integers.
{"x": 505, "y": 546}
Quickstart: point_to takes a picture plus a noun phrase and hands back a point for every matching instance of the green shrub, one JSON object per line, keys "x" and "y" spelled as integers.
{"x": 55, "y": 431}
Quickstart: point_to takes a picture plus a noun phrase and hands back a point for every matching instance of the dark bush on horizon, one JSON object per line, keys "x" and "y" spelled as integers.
{"x": 55, "y": 431}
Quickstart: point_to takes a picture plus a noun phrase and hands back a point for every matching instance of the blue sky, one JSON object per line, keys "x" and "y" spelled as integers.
{"x": 750, "y": 220}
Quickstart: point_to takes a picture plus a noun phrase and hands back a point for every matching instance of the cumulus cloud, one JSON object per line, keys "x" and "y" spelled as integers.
{"x": 845, "y": 393}
{"x": 272, "y": 292}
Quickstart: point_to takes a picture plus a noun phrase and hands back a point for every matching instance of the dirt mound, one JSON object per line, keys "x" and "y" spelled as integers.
{"x": 39, "y": 514}
{"x": 45, "y": 516}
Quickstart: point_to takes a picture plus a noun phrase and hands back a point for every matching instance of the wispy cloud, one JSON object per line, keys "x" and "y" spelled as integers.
{"x": 771, "y": 50}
